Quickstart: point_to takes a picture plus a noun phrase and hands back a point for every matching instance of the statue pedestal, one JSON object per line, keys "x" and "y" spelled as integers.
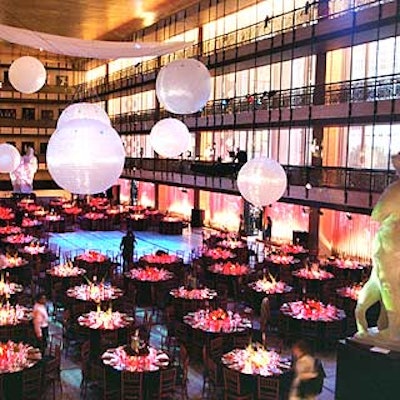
{"x": 20, "y": 196}
{"x": 366, "y": 375}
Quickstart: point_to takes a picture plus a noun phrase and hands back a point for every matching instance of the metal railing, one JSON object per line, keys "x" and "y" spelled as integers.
{"x": 363, "y": 180}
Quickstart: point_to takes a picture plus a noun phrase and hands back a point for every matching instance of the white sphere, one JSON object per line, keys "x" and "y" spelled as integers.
{"x": 83, "y": 111}
{"x": 170, "y": 137}
{"x": 9, "y": 158}
{"x": 85, "y": 156}
{"x": 27, "y": 74}
{"x": 262, "y": 181}
{"x": 183, "y": 86}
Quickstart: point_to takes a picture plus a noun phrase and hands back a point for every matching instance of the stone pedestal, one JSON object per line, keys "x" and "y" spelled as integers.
{"x": 366, "y": 375}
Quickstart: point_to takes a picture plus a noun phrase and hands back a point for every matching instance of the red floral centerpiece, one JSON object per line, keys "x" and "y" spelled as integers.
{"x": 229, "y": 268}
{"x": 150, "y": 274}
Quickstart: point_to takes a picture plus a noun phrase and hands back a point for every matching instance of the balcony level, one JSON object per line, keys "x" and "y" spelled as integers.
{"x": 369, "y": 100}
{"x": 345, "y": 189}
{"x": 290, "y": 36}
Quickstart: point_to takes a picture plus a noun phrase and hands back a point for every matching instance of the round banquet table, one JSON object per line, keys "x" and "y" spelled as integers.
{"x": 313, "y": 320}
{"x": 281, "y": 266}
{"x": 185, "y": 300}
{"x": 54, "y": 223}
{"x": 208, "y": 324}
{"x": 102, "y": 331}
{"x": 19, "y": 269}
{"x": 150, "y": 283}
{"x": 137, "y": 222}
{"x": 311, "y": 281}
{"x": 254, "y": 363}
{"x": 346, "y": 270}
{"x": 276, "y": 292}
{"x": 95, "y": 222}
{"x": 15, "y": 323}
{"x": 169, "y": 262}
{"x": 217, "y": 255}
{"x": 170, "y": 226}
{"x": 117, "y": 360}
{"x": 11, "y": 374}
{"x": 238, "y": 247}
{"x": 230, "y": 274}
{"x": 94, "y": 263}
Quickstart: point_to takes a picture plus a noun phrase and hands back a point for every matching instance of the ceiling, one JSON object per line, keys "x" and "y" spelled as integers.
{"x": 88, "y": 19}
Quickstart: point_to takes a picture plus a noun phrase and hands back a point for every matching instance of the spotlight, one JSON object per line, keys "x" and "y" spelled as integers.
{"x": 320, "y": 212}
{"x": 349, "y": 216}
{"x": 308, "y": 186}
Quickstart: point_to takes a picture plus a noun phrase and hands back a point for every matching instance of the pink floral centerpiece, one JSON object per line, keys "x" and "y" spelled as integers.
{"x": 351, "y": 292}
{"x": 254, "y": 360}
{"x": 292, "y": 249}
{"x": 10, "y": 230}
{"x": 218, "y": 254}
{"x": 19, "y": 239}
{"x": 13, "y": 315}
{"x": 229, "y": 268}
{"x": 346, "y": 264}
{"x": 11, "y": 261}
{"x": 66, "y": 270}
{"x": 312, "y": 310}
{"x": 8, "y": 288}
{"x": 281, "y": 259}
{"x": 71, "y": 210}
{"x": 95, "y": 292}
{"x": 30, "y": 223}
{"x": 53, "y": 218}
{"x": 94, "y": 216}
{"x": 34, "y": 249}
{"x": 92, "y": 256}
{"x": 149, "y": 274}
{"x": 313, "y": 274}
{"x": 119, "y": 359}
{"x": 15, "y": 357}
{"x": 218, "y": 320}
{"x": 270, "y": 286}
{"x": 193, "y": 294}
{"x": 105, "y": 320}
{"x": 232, "y": 244}
{"x": 6, "y": 214}
{"x": 160, "y": 259}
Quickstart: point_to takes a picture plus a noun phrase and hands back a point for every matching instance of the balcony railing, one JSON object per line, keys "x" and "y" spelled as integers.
{"x": 363, "y": 180}
{"x": 268, "y": 28}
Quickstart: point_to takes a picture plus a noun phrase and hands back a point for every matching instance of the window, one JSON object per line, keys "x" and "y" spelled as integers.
{"x": 47, "y": 115}
{"x": 8, "y": 113}
{"x": 62, "y": 80}
{"x": 26, "y": 145}
{"x": 28, "y": 114}
{"x": 43, "y": 148}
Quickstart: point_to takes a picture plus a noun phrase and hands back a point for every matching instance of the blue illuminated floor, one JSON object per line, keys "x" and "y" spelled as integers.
{"x": 147, "y": 242}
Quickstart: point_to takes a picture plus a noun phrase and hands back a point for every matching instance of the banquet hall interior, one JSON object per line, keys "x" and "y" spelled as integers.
{"x": 246, "y": 145}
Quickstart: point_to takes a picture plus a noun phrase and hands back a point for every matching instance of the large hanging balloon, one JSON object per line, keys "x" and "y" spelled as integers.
{"x": 262, "y": 181}
{"x": 9, "y": 158}
{"x": 85, "y": 156}
{"x": 27, "y": 74}
{"x": 183, "y": 86}
{"x": 170, "y": 137}
{"x": 83, "y": 111}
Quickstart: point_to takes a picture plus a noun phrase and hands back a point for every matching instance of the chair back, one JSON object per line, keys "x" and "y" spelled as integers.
{"x": 32, "y": 383}
{"x": 131, "y": 386}
{"x": 167, "y": 383}
{"x": 267, "y": 388}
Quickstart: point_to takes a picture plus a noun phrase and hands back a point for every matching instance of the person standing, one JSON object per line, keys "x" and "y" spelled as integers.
{"x": 127, "y": 246}
{"x": 304, "y": 370}
{"x": 268, "y": 229}
{"x": 41, "y": 321}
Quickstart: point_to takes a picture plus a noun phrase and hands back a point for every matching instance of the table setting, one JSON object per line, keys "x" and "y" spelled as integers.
{"x": 15, "y": 357}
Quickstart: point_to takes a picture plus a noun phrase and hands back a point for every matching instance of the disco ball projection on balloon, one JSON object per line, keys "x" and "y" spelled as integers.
{"x": 27, "y": 74}
{"x": 183, "y": 86}
{"x": 262, "y": 181}
{"x": 85, "y": 156}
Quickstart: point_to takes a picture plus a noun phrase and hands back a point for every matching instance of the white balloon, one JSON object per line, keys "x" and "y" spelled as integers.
{"x": 83, "y": 111}
{"x": 262, "y": 181}
{"x": 170, "y": 137}
{"x": 9, "y": 158}
{"x": 85, "y": 156}
{"x": 27, "y": 74}
{"x": 183, "y": 86}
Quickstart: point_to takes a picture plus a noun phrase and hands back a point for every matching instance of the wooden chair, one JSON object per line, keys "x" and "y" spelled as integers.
{"x": 166, "y": 389}
{"x": 241, "y": 341}
{"x": 183, "y": 379}
{"x": 32, "y": 383}
{"x": 267, "y": 388}
{"x": 98, "y": 376}
{"x": 216, "y": 348}
{"x": 85, "y": 366}
{"x": 131, "y": 386}
{"x": 52, "y": 372}
{"x": 232, "y": 386}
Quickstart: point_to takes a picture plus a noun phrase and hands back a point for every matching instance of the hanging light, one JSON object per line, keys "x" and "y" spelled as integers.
{"x": 9, "y": 158}
{"x": 170, "y": 137}
{"x": 262, "y": 181}
{"x": 183, "y": 86}
{"x": 85, "y": 156}
{"x": 27, "y": 74}
{"x": 83, "y": 111}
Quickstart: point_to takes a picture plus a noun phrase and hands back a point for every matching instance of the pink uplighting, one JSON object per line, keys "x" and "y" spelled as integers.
{"x": 176, "y": 200}
{"x": 146, "y": 194}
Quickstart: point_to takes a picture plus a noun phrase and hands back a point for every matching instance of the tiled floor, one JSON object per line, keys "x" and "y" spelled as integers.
{"x": 148, "y": 242}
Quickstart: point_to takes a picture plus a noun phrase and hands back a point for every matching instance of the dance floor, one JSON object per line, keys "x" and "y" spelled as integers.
{"x": 147, "y": 242}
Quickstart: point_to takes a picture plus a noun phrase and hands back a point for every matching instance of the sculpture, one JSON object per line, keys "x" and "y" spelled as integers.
{"x": 22, "y": 177}
{"x": 384, "y": 283}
